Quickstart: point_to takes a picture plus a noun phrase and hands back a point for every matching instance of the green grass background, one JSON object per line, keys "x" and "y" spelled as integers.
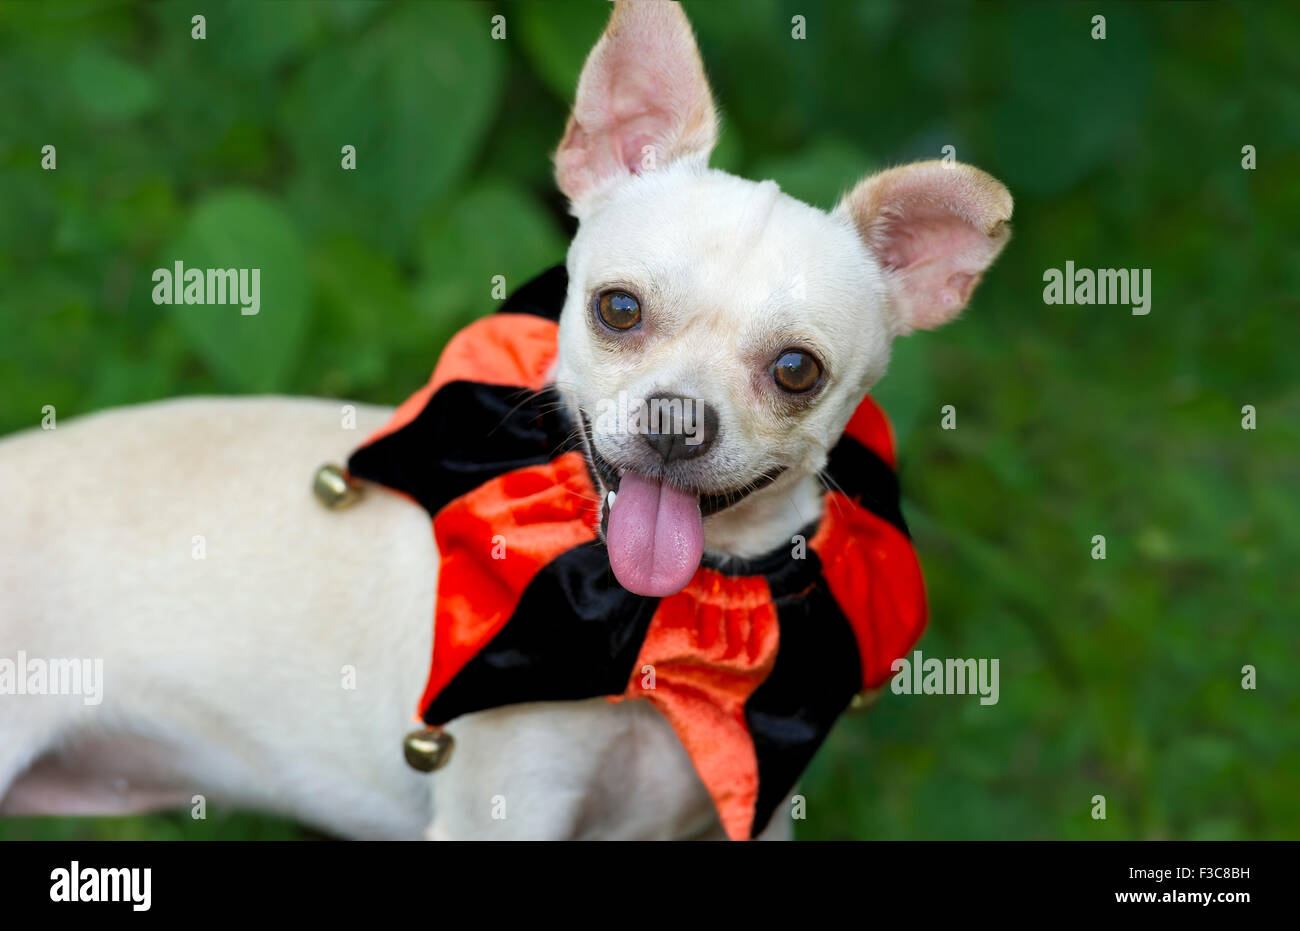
{"x": 1118, "y": 678}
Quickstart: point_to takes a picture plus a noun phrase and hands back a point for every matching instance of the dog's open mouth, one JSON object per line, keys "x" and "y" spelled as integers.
{"x": 654, "y": 529}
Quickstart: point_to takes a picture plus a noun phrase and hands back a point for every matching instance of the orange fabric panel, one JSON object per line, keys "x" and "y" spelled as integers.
{"x": 870, "y": 427}
{"x": 502, "y": 349}
{"x": 711, "y": 645}
{"x": 539, "y": 512}
{"x": 875, "y": 577}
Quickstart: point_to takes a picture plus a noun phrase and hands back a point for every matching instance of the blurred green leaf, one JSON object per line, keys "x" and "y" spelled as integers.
{"x": 463, "y": 249}
{"x": 108, "y": 88}
{"x": 820, "y": 173}
{"x": 260, "y": 36}
{"x": 414, "y": 94}
{"x": 1060, "y": 84}
{"x": 556, "y": 37}
{"x": 245, "y": 230}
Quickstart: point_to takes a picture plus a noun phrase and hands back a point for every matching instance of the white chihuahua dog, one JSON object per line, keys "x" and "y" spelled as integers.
{"x": 221, "y": 675}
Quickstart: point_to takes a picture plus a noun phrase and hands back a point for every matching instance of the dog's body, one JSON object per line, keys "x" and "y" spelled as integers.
{"x": 224, "y": 675}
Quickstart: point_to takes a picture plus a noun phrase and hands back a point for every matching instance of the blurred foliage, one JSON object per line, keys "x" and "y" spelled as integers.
{"x": 1118, "y": 677}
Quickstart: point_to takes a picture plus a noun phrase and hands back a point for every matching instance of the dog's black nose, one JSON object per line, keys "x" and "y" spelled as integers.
{"x": 679, "y": 428}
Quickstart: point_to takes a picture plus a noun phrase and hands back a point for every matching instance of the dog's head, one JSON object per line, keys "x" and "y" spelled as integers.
{"x": 718, "y": 334}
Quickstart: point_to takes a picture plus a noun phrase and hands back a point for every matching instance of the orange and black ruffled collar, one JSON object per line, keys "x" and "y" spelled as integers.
{"x": 751, "y": 663}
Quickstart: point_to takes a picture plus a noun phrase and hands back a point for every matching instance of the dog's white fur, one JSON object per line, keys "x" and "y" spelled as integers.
{"x": 224, "y": 675}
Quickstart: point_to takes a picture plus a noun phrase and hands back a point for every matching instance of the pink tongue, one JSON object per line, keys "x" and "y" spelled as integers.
{"x": 655, "y": 536}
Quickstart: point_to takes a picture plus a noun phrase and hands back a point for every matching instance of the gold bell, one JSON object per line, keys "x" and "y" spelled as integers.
{"x": 428, "y": 749}
{"x": 864, "y": 700}
{"x": 333, "y": 488}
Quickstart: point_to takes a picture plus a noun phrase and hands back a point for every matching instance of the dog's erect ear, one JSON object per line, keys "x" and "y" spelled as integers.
{"x": 642, "y": 101}
{"x": 934, "y": 227}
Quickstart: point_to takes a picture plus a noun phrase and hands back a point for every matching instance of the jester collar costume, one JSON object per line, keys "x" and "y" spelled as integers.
{"x": 751, "y": 663}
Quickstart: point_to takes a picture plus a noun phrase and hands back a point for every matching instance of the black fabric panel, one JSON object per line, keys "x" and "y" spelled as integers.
{"x": 467, "y": 434}
{"x": 861, "y": 474}
{"x": 543, "y": 296}
{"x": 817, "y": 672}
{"x": 575, "y": 634}
{"x": 783, "y": 572}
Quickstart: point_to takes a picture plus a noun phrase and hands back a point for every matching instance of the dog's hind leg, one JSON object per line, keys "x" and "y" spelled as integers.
{"x": 91, "y": 776}
{"x": 14, "y": 759}
{"x": 23, "y": 739}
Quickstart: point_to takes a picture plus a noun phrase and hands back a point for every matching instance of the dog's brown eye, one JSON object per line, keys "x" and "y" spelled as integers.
{"x": 619, "y": 310}
{"x": 796, "y": 371}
